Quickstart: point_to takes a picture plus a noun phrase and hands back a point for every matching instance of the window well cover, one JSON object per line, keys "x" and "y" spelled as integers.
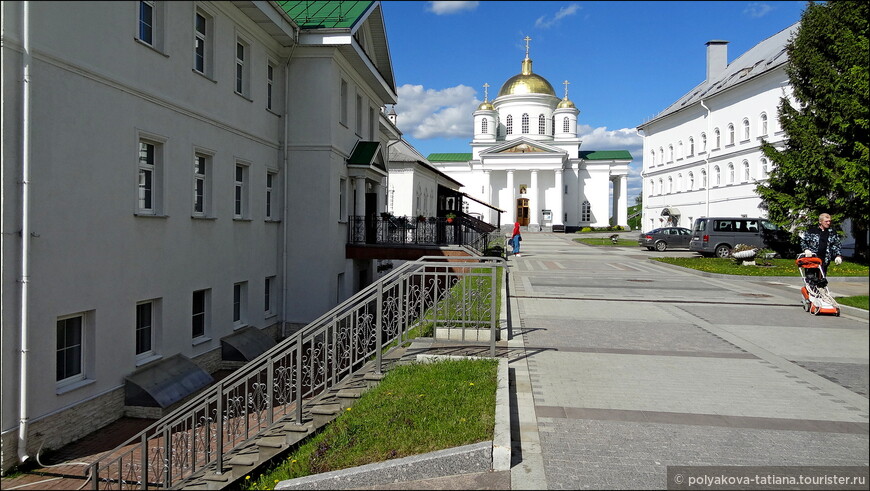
{"x": 165, "y": 382}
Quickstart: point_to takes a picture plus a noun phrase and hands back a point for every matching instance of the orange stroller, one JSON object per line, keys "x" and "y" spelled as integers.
{"x": 816, "y": 298}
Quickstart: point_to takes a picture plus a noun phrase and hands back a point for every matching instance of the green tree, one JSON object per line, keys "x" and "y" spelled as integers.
{"x": 823, "y": 166}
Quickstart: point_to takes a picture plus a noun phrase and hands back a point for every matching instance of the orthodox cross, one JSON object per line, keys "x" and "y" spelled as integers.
{"x": 565, "y": 83}
{"x": 485, "y": 92}
{"x": 527, "y": 39}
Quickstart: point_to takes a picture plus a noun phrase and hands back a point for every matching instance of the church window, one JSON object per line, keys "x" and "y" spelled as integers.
{"x": 652, "y": 187}
{"x": 586, "y": 212}
{"x": 670, "y": 185}
{"x": 691, "y": 182}
{"x": 763, "y": 124}
{"x": 566, "y": 125}
{"x": 718, "y": 137}
{"x": 509, "y": 126}
{"x": 670, "y": 153}
{"x": 525, "y": 123}
{"x": 745, "y": 129}
{"x": 553, "y": 124}
{"x": 730, "y": 173}
{"x": 691, "y": 146}
{"x": 661, "y": 186}
{"x": 730, "y": 134}
{"x": 763, "y": 168}
{"x": 746, "y": 175}
{"x": 652, "y": 158}
{"x": 680, "y": 150}
{"x": 679, "y": 183}
{"x": 718, "y": 176}
{"x": 703, "y": 142}
{"x": 542, "y": 125}
{"x": 703, "y": 179}
{"x": 483, "y": 125}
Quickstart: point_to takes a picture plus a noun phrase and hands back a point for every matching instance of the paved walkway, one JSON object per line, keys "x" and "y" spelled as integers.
{"x": 632, "y": 366}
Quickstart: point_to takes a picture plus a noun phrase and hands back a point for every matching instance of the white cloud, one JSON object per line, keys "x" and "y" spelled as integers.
{"x": 447, "y": 8}
{"x": 563, "y": 12}
{"x": 429, "y": 113}
{"x": 757, "y": 10}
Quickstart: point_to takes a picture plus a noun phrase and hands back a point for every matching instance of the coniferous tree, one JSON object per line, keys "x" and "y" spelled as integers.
{"x": 823, "y": 166}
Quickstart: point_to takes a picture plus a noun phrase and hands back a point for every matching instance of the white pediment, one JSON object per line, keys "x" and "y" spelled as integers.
{"x": 521, "y": 145}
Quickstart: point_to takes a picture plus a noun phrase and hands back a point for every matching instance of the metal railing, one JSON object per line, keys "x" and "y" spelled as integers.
{"x": 432, "y": 231}
{"x": 425, "y": 295}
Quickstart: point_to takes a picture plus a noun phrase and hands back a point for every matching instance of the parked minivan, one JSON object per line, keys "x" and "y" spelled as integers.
{"x": 718, "y": 235}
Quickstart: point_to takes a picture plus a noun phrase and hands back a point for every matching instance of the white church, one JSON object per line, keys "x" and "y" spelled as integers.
{"x": 526, "y": 160}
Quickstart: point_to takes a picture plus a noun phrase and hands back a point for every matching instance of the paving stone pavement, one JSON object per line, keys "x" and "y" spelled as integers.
{"x": 634, "y": 366}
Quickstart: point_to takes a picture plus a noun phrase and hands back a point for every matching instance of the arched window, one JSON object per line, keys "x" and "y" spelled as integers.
{"x": 670, "y": 153}
{"x": 525, "y": 123}
{"x": 763, "y": 169}
{"x": 566, "y": 125}
{"x": 703, "y": 142}
{"x": 652, "y": 158}
{"x": 661, "y": 186}
{"x": 763, "y": 124}
{"x": 746, "y": 175}
{"x": 661, "y": 155}
{"x": 542, "y": 125}
{"x": 730, "y": 134}
{"x": 679, "y": 182}
{"x": 718, "y": 138}
{"x": 483, "y": 125}
{"x": 691, "y": 182}
{"x": 745, "y": 129}
{"x": 717, "y": 176}
{"x": 509, "y": 125}
{"x": 670, "y": 186}
{"x": 680, "y": 149}
{"x": 691, "y": 146}
{"x": 652, "y": 187}
{"x": 730, "y": 173}
{"x": 703, "y": 179}
{"x": 586, "y": 212}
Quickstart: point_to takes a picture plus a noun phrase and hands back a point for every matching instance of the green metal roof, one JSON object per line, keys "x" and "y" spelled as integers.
{"x": 363, "y": 153}
{"x": 449, "y": 157}
{"x": 605, "y": 155}
{"x": 325, "y": 15}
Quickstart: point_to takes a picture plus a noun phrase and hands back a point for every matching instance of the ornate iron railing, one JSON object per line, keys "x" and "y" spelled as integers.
{"x": 383, "y": 230}
{"x": 428, "y": 294}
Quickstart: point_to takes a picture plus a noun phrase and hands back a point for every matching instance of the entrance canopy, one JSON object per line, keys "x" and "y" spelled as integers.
{"x": 670, "y": 211}
{"x": 165, "y": 382}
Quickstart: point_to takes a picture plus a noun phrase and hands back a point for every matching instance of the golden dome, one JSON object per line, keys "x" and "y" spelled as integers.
{"x": 526, "y": 83}
{"x": 485, "y": 106}
{"x": 565, "y": 103}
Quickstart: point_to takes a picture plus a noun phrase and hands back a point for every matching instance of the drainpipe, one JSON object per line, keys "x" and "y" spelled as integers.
{"x": 707, "y": 159}
{"x": 25, "y": 233}
{"x": 286, "y": 211}
{"x": 642, "y": 180}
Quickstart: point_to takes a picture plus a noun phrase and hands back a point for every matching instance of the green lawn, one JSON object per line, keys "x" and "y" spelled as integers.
{"x": 771, "y": 267}
{"x": 604, "y": 241}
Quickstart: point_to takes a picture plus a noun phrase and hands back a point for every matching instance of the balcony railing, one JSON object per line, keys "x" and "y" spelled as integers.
{"x": 433, "y": 231}
{"x": 424, "y": 295}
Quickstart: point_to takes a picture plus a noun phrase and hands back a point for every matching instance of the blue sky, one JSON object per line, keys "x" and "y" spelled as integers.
{"x": 625, "y": 61}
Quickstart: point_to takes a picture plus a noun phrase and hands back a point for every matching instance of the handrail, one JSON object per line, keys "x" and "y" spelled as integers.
{"x": 404, "y": 230}
{"x": 435, "y": 292}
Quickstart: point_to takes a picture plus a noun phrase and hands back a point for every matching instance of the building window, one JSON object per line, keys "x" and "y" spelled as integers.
{"x": 652, "y": 187}
{"x": 342, "y": 199}
{"x": 691, "y": 147}
{"x": 483, "y": 125}
{"x": 703, "y": 142}
{"x": 718, "y": 138}
{"x": 661, "y": 156}
{"x": 670, "y": 153}
{"x": 718, "y": 176}
{"x": 144, "y": 328}
{"x": 731, "y": 173}
{"x": 268, "y": 294}
{"x": 763, "y": 124}
{"x": 730, "y": 134}
{"x": 344, "y": 96}
{"x": 670, "y": 186}
{"x": 242, "y": 68}
{"x": 703, "y": 179}
{"x": 763, "y": 169}
{"x": 746, "y": 175}
{"x": 542, "y": 125}
{"x": 70, "y": 351}
{"x": 566, "y": 125}
{"x": 146, "y": 22}
{"x": 199, "y": 322}
{"x": 270, "y": 196}
{"x": 510, "y": 125}
{"x": 745, "y": 129}
{"x": 359, "y": 115}
{"x": 201, "y": 175}
{"x": 239, "y": 303}
{"x": 240, "y": 207}
{"x": 691, "y": 182}
{"x": 202, "y": 49}
{"x": 680, "y": 150}
{"x": 586, "y": 212}
{"x": 270, "y": 83}
{"x": 372, "y": 123}
{"x": 679, "y": 182}
{"x": 652, "y": 158}
{"x": 525, "y": 123}
{"x": 150, "y": 177}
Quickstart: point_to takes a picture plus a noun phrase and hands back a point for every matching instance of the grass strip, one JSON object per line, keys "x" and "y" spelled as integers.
{"x": 859, "y": 301}
{"x": 604, "y": 241}
{"x": 767, "y": 267}
{"x": 415, "y": 409}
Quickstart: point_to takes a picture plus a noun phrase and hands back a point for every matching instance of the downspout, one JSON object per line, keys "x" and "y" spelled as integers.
{"x": 25, "y": 234}
{"x": 642, "y": 180}
{"x": 707, "y": 161}
{"x": 286, "y": 212}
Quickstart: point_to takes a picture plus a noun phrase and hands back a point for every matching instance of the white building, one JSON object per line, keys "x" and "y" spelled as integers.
{"x": 175, "y": 176}
{"x": 526, "y": 160}
{"x": 702, "y": 155}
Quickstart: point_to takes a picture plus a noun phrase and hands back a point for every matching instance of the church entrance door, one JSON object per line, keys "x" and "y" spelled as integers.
{"x": 523, "y": 211}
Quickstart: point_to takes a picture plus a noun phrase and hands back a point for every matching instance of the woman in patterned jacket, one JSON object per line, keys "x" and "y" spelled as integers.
{"x": 822, "y": 242}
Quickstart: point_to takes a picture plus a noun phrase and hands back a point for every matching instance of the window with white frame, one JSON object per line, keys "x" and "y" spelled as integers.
{"x": 680, "y": 150}
{"x": 359, "y": 115}
{"x": 586, "y": 212}
{"x": 731, "y": 173}
{"x": 652, "y": 158}
{"x": 542, "y": 125}
{"x": 200, "y": 317}
{"x": 240, "y": 194}
{"x": 680, "y": 182}
{"x": 509, "y": 125}
{"x": 691, "y": 146}
{"x": 763, "y": 169}
{"x": 670, "y": 185}
{"x": 270, "y": 83}
{"x": 717, "y": 176}
{"x": 269, "y": 296}
{"x": 201, "y": 184}
{"x": 243, "y": 68}
{"x": 270, "y": 196}
{"x": 483, "y": 125}
{"x": 525, "y": 123}
{"x": 717, "y": 136}
{"x": 342, "y": 199}
{"x": 373, "y": 125}
{"x": 661, "y": 156}
{"x": 730, "y": 134}
{"x": 745, "y": 129}
{"x": 703, "y": 142}
{"x": 703, "y": 179}
{"x": 70, "y": 349}
{"x": 746, "y": 175}
{"x": 149, "y": 191}
{"x": 661, "y": 186}
{"x": 670, "y": 153}
{"x": 566, "y": 125}
{"x": 147, "y": 319}
{"x": 691, "y": 183}
{"x": 344, "y": 102}
{"x": 202, "y": 42}
{"x": 652, "y": 187}
{"x": 150, "y": 23}
{"x": 763, "y": 124}
{"x": 240, "y": 293}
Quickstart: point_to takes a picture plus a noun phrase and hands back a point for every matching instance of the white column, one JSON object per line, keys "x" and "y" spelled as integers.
{"x": 534, "y": 204}
{"x": 359, "y": 206}
{"x": 512, "y": 198}
{"x": 622, "y": 216}
{"x": 560, "y": 199}
{"x": 487, "y": 193}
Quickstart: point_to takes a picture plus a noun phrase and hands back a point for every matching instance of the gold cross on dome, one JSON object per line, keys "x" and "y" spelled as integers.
{"x": 485, "y": 92}
{"x": 565, "y": 83}
{"x": 527, "y": 39}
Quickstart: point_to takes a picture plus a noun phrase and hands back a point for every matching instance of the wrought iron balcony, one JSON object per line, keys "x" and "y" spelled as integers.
{"x": 388, "y": 230}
